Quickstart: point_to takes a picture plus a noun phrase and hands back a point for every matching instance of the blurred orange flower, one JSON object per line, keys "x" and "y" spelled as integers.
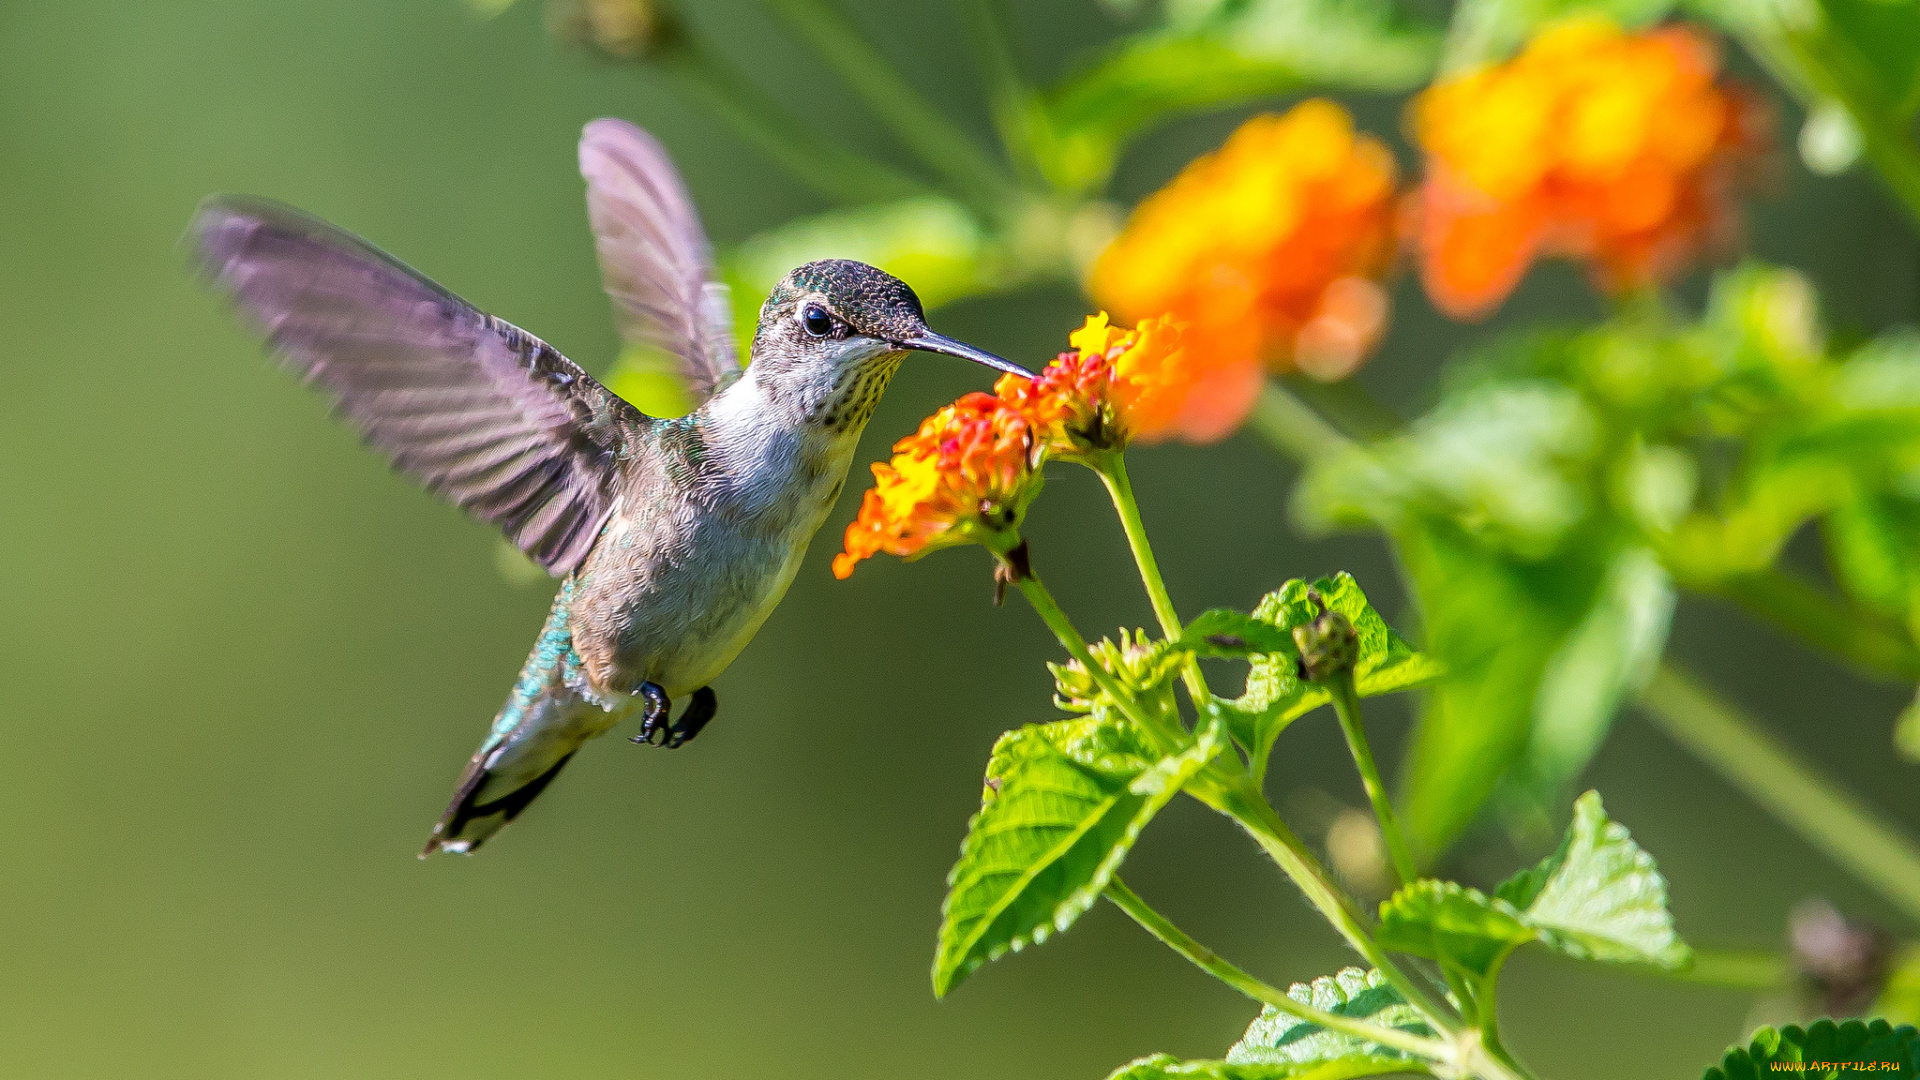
{"x": 1114, "y": 386}
{"x": 1270, "y": 249}
{"x": 1621, "y": 149}
{"x": 964, "y": 477}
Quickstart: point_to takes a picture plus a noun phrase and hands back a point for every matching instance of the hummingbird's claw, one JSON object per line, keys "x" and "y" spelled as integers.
{"x": 699, "y": 710}
{"x": 653, "y": 720}
{"x": 654, "y": 729}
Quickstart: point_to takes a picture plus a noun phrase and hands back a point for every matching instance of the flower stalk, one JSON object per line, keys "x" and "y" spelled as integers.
{"x": 1112, "y": 469}
{"x": 1346, "y": 704}
{"x": 832, "y": 171}
{"x": 1247, "y": 806}
{"x": 1162, "y": 730}
{"x": 1771, "y": 775}
{"x": 920, "y": 127}
{"x": 1211, "y": 962}
{"x": 1292, "y": 427}
{"x": 1860, "y": 638}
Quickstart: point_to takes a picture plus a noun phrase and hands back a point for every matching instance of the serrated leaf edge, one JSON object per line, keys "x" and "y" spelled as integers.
{"x": 1765, "y": 1043}
{"x": 1172, "y": 773}
{"x": 1567, "y": 943}
{"x": 1491, "y": 903}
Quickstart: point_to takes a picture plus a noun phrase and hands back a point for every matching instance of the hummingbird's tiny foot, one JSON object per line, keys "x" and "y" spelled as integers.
{"x": 653, "y": 718}
{"x": 699, "y": 710}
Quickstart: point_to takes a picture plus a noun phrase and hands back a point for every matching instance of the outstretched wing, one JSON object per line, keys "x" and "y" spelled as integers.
{"x": 654, "y": 256}
{"x": 481, "y": 412}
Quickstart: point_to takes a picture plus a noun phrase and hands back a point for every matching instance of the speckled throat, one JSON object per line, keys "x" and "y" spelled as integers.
{"x": 855, "y": 394}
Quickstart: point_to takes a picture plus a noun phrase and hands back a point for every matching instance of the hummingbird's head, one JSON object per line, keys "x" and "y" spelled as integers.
{"x": 832, "y": 333}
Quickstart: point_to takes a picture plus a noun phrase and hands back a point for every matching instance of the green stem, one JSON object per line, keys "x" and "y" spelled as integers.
{"x": 1495, "y": 1062}
{"x": 920, "y": 127}
{"x": 1112, "y": 469}
{"x": 1817, "y": 66}
{"x": 1348, "y": 404}
{"x": 1728, "y": 970}
{"x": 1210, "y": 962}
{"x": 1771, "y": 775}
{"x": 1167, "y": 735}
{"x": 816, "y": 161}
{"x": 986, "y": 23}
{"x": 1245, "y": 805}
{"x": 1346, "y": 703}
{"x": 1292, "y": 427}
{"x": 1817, "y": 617}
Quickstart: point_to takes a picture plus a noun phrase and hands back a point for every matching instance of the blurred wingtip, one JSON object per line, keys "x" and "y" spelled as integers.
{"x": 223, "y": 224}
{"x": 609, "y": 139}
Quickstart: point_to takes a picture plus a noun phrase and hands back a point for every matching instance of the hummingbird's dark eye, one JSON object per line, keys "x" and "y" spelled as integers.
{"x": 815, "y": 320}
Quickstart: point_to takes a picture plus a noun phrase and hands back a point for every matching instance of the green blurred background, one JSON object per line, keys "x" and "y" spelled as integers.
{"x": 242, "y": 664}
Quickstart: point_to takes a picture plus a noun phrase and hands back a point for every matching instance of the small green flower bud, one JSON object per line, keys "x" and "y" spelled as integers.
{"x": 1328, "y": 646}
{"x": 1073, "y": 687}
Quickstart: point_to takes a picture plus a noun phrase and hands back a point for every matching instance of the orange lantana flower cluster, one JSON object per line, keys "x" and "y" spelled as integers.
{"x": 1621, "y": 149}
{"x": 1114, "y": 386}
{"x": 966, "y": 474}
{"x": 1270, "y": 249}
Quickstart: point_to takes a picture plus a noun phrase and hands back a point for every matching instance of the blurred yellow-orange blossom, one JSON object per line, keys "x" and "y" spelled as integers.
{"x": 1623, "y": 150}
{"x": 1270, "y": 250}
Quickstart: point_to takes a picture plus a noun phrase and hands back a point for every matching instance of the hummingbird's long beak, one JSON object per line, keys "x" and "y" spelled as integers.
{"x": 928, "y": 341}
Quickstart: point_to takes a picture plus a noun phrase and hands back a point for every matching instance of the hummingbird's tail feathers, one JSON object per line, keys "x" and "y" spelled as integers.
{"x": 543, "y": 722}
{"x": 510, "y": 770}
{"x": 469, "y": 822}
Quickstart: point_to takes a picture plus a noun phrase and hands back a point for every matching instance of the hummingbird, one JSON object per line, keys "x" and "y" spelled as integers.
{"x": 674, "y": 538}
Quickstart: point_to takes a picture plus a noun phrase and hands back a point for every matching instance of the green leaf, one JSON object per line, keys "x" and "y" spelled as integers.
{"x": 1613, "y": 649}
{"x": 1496, "y": 623}
{"x": 933, "y": 242}
{"x": 1899, "y": 1001}
{"x": 1538, "y": 594}
{"x": 650, "y": 379}
{"x": 1275, "y": 695}
{"x": 1873, "y": 552}
{"x": 1835, "y": 1052}
{"x": 1276, "y": 1038}
{"x": 1880, "y": 49}
{"x": 1870, "y": 428}
{"x": 1167, "y": 1067}
{"x": 1224, "y": 632}
{"x": 1213, "y": 55}
{"x": 1599, "y": 897}
{"x": 1063, "y": 804}
{"x": 1445, "y": 921}
{"x": 1510, "y": 460}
